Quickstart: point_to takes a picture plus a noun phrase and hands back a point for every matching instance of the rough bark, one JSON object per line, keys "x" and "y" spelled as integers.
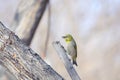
{"x": 21, "y": 61}
{"x": 68, "y": 65}
{"x": 27, "y": 18}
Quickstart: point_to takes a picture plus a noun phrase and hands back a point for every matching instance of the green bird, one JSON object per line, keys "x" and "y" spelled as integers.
{"x": 71, "y": 47}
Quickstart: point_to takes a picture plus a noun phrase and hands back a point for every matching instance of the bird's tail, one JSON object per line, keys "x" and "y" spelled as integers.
{"x": 74, "y": 62}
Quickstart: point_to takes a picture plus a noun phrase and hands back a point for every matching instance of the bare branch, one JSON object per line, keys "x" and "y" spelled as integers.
{"x": 63, "y": 56}
{"x": 48, "y": 29}
{"x": 27, "y": 18}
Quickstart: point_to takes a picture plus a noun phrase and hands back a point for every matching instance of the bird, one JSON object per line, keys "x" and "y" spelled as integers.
{"x": 71, "y": 47}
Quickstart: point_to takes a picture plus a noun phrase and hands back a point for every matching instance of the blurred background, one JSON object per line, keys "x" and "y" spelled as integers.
{"x": 95, "y": 25}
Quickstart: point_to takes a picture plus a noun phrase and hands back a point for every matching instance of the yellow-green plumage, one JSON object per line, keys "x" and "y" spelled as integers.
{"x": 71, "y": 47}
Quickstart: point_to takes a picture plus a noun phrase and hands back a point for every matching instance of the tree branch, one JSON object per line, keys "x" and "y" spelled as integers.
{"x": 21, "y": 61}
{"x": 63, "y": 56}
{"x": 48, "y": 30}
{"x": 27, "y": 18}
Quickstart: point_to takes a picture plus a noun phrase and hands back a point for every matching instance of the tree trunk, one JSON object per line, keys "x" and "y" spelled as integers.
{"x": 21, "y": 61}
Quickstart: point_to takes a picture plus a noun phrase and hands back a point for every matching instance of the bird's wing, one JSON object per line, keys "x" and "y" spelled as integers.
{"x": 74, "y": 44}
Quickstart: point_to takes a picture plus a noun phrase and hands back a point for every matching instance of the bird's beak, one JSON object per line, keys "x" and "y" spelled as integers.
{"x": 63, "y": 36}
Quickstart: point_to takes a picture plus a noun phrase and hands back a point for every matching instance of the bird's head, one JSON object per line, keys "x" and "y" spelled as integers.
{"x": 68, "y": 38}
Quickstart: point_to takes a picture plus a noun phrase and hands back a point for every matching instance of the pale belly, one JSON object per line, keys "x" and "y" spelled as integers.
{"x": 71, "y": 50}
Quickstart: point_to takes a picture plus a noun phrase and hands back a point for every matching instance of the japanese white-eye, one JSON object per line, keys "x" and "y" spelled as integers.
{"x": 71, "y": 47}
